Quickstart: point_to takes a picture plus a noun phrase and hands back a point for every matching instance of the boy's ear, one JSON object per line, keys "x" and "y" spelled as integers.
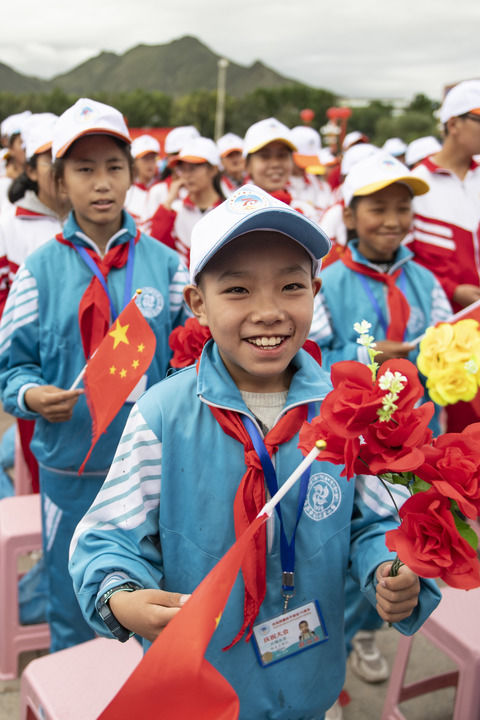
{"x": 349, "y": 218}
{"x": 194, "y": 298}
{"x": 317, "y": 284}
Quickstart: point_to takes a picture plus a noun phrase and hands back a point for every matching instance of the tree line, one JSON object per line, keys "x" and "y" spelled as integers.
{"x": 379, "y": 120}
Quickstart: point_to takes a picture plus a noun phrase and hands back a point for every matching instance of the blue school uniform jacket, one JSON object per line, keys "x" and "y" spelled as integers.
{"x": 40, "y": 340}
{"x": 164, "y": 517}
{"x": 343, "y": 301}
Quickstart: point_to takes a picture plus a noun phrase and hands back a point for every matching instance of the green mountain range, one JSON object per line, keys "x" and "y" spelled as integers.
{"x": 177, "y": 68}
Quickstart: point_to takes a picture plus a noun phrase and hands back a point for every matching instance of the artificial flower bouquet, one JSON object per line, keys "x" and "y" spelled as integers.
{"x": 372, "y": 425}
{"x": 449, "y": 358}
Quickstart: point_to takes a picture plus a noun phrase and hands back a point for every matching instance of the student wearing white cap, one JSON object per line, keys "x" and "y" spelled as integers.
{"x": 268, "y": 149}
{"x": 421, "y": 148}
{"x": 11, "y": 129}
{"x": 446, "y": 232}
{"x": 396, "y": 147}
{"x": 306, "y": 181}
{"x": 375, "y": 280}
{"x": 76, "y": 285}
{"x": 197, "y": 166}
{"x": 145, "y": 150}
{"x": 230, "y": 147}
{"x": 253, "y": 277}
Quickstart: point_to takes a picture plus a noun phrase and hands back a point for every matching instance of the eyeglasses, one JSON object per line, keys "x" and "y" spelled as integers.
{"x": 472, "y": 116}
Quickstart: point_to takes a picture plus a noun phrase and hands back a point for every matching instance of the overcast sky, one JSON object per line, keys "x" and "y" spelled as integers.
{"x": 358, "y": 48}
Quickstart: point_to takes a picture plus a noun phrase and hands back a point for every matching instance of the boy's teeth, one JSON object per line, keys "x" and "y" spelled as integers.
{"x": 266, "y": 341}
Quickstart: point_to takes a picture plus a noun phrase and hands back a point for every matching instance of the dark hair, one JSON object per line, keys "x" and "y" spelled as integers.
{"x": 22, "y": 183}
{"x": 59, "y": 163}
{"x": 12, "y": 139}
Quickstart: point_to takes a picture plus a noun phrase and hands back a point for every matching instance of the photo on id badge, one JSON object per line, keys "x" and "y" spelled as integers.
{"x": 289, "y": 633}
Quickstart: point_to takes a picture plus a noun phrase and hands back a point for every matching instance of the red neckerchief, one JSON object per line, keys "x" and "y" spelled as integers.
{"x": 433, "y": 167}
{"x": 282, "y": 195}
{"x": 94, "y": 308}
{"x": 249, "y": 500}
{"x": 398, "y": 307}
{"x": 23, "y": 212}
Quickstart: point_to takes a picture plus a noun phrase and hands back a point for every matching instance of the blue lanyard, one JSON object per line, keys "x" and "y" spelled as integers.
{"x": 127, "y": 293}
{"x": 373, "y": 300}
{"x": 287, "y": 549}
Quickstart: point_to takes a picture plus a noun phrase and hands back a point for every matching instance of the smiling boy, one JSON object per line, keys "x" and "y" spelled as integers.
{"x": 186, "y": 478}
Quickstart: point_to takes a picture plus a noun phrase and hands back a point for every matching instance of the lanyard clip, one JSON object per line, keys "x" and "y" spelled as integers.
{"x": 288, "y": 588}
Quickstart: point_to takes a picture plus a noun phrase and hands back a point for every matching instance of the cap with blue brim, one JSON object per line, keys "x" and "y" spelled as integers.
{"x": 247, "y": 210}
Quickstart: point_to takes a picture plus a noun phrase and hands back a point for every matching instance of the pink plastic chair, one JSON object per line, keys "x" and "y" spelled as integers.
{"x": 77, "y": 683}
{"x": 20, "y": 533}
{"x": 454, "y": 628}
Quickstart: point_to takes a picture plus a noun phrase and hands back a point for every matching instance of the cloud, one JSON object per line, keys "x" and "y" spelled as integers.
{"x": 371, "y": 48}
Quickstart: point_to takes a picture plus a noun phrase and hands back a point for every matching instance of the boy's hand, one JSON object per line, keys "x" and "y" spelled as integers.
{"x": 391, "y": 349}
{"x": 396, "y": 596}
{"x": 146, "y": 612}
{"x": 53, "y": 403}
{"x": 173, "y": 191}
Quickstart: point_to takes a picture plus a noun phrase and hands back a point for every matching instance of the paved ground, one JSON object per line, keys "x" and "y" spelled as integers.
{"x": 366, "y": 700}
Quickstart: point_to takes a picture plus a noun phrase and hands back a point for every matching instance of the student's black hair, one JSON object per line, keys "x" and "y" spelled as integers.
{"x": 59, "y": 163}
{"x": 12, "y": 139}
{"x": 22, "y": 183}
{"x": 217, "y": 184}
{"x": 352, "y": 233}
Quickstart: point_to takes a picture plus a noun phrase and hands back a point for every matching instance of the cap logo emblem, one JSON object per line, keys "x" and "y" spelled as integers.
{"x": 246, "y": 201}
{"x": 85, "y": 112}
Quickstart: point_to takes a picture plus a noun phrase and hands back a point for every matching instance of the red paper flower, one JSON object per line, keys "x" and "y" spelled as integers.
{"x": 353, "y": 403}
{"x": 397, "y": 445}
{"x": 339, "y": 451}
{"x": 452, "y": 467}
{"x": 187, "y": 343}
{"x": 429, "y": 543}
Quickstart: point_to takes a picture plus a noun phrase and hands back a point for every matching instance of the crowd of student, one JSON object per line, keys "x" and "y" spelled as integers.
{"x": 234, "y": 233}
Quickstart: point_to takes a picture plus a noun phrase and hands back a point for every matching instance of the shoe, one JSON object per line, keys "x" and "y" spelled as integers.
{"x": 365, "y": 660}
{"x": 335, "y": 712}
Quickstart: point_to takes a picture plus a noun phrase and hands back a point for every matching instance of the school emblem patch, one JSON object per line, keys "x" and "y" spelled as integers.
{"x": 245, "y": 201}
{"x": 85, "y": 113}
{"x": 150, "y": 302}
{"x": 323, "y": 497}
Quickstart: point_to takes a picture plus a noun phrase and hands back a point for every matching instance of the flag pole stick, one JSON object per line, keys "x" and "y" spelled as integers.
{"x": 80, "y": 375}
{"x": 453, "y": 318}
{"x": 297, "y": 473}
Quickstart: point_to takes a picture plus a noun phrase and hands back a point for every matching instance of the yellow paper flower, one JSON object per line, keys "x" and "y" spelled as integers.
{"x": 448, "y": 386}
{"x": 433, "y": 347}
{"x": 449, "y": 358}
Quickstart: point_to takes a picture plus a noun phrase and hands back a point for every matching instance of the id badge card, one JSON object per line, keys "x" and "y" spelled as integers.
{"x": 138, "y": 390}
{"x": 288, "y": 634}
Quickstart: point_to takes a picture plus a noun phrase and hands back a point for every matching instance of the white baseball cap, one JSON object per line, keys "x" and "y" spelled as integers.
{"x": 308, "y": 143}
{"x": 354, "y": 154}
{"x": 326, "y": 157}
{"x": 462, "y": 98}
{"x": 14, "y": 124}
{"x": 352, "y": 138}
{"x": 248, "y": 209}
{"x": 377, "y": 172}
{"x": 143, "y": 145}
{"x": 264, "y": 132}
{"x": 229, "y": 143}
{"x": 38, "y": 133}
{"x": 177, "y": 138}
{"x": 394, "y": 146}
{"x": 87, "y": 117}
{"x": 421, "y": 148}
{"x": 198, "y": 150}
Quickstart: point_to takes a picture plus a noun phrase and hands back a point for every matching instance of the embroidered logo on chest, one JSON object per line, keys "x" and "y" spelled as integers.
{"x": 323, "y": 497}
{"x": 150, "y": 302}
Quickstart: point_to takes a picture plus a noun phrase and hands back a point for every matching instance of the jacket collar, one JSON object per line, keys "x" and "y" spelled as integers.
{"x": 402, "y": 256}
{"x": 73, "y": 233}
{"x": 215, "y": 385}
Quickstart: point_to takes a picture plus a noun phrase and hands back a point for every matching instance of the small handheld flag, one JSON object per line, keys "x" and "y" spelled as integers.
{"x": 121, "y": 359}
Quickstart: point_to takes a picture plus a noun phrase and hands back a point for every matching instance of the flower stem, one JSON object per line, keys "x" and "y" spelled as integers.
{"x": 396, "y": 565}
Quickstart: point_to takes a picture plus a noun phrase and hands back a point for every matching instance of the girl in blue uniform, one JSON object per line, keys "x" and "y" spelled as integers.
{"x": 61, "y": 304}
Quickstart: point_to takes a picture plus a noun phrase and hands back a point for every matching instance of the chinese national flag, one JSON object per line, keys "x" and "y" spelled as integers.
{"x": 471, "y": 312}
{"x": 174, "y": 680}
{"x": 121, "y": 359}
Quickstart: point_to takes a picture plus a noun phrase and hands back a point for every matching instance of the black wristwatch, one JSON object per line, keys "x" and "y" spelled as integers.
{"x": 120, "y": 632}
